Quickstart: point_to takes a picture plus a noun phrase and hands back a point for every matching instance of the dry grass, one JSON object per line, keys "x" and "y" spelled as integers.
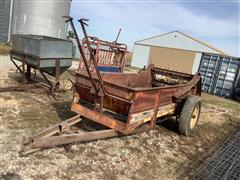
{"x": 220, "y": 101}
{"x": 75, "y": 59}
{"x": 4, "y": 49}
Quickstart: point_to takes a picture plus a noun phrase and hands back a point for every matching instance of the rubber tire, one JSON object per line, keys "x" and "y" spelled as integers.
{"x": 186, "y": 115}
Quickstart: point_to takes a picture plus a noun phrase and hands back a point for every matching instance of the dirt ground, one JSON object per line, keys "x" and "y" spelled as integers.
{"x": 158, "y": 154}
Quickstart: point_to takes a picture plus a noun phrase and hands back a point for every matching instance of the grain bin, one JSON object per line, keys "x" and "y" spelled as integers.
{"x": 40, "y": 17}
{"x": 5, "y": 6}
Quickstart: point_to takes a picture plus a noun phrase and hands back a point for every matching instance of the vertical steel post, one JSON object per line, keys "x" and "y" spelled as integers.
{"x": 70, "y": 19}
{"x": 28, "y": 75}
{"x": 57, "y": 73}
{"x": 154, "y": 117}
{"x": 92, "y": 56}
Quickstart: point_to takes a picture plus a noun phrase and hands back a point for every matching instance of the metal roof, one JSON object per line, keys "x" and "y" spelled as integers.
{"x": 185, "y": 35}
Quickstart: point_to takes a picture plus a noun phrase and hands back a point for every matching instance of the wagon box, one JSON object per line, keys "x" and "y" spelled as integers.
{"x": 134, "y": 99}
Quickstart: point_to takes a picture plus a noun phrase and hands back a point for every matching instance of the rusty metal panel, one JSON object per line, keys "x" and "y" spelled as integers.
{"x": 145, "y": 100}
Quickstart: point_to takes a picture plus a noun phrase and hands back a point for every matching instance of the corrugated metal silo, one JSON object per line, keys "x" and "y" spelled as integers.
{"x": 40, "y": 17}
{"x": 4, "y": 19}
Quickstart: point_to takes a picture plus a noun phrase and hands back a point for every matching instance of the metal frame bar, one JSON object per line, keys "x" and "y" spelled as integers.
{"x": 23, "y": 69}
{"x": 70, "y": 19}
{"x": 218, "y": 69}
{"x": 26, "y": 73}
{"x": 54, "y": 136}
{"x": 46, "y": 79}
{"x": 204, "y": 82}
{"x": 224, "y": 80}
{"x": 25, "y": 87}
{"x": 16, "y": 65}
{"x": 214, "y": 71}
{"x": 92, "y": 56}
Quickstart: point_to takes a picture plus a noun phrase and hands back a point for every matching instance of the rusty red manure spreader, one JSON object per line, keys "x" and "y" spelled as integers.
{"x": 125, "y": 103}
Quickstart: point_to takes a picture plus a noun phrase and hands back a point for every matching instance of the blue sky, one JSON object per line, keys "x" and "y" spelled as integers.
{"x": 215, "y": 22}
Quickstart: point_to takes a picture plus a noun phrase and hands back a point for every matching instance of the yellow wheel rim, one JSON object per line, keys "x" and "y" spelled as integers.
{"x": 194, "y": 117}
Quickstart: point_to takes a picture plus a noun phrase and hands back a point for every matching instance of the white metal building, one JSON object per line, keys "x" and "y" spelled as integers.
{"x": 174, "y": 50}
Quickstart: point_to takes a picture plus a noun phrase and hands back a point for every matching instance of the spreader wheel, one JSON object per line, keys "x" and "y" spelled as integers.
{"x": 189, "y": 115}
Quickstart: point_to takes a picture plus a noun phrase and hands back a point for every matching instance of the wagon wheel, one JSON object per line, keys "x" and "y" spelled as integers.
{"x": 189, "y": 115}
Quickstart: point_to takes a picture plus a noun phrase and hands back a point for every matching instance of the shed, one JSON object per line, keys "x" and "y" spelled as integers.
{"x": 174, "y": 50}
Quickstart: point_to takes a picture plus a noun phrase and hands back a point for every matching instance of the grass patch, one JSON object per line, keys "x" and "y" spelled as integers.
{"x": 4, "y": 49}
{"x": 221, "y": 101}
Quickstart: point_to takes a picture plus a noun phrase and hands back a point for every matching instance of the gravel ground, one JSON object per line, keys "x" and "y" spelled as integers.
{"x": 158, "y": 154}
